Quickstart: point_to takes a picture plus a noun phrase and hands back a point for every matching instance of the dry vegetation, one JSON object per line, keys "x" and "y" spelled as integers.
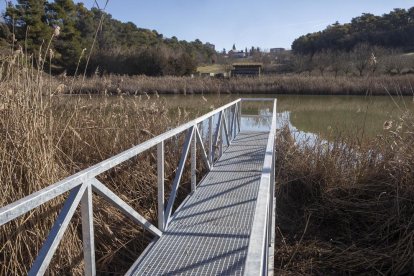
{"x": 347, "y": 208}
{"x": 272, "y": 84}
{"x": 46, "y": 138}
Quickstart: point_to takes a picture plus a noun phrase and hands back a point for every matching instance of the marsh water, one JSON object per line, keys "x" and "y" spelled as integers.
{"x": 311, "y": 116}
{"x": 308, "y": 117}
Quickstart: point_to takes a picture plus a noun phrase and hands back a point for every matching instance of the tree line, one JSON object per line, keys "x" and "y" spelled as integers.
{"x": 79, "y": 36}
{"x": 391, "y": 30}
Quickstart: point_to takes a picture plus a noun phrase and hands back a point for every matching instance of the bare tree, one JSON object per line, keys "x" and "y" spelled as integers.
{"x": 302, "y": 63}
{"x": 321, "y": 61}
{"x": 360, "y": 56}
{"x": 395, "y": 62}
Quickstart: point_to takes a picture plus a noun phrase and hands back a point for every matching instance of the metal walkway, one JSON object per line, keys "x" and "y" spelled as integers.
{"x": 209, "y": 234}
{"x": 224, "y": 227}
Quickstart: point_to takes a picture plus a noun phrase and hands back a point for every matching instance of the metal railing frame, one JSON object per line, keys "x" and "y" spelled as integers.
{"x": 257, "y": 258}
{"x": 82, "y": 184}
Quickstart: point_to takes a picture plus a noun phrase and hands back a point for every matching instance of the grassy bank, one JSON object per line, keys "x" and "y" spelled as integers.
{"x": 276, "y": 84}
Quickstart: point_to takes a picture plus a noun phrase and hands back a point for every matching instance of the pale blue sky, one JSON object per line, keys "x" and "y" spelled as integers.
{"x": 263, "y": 23}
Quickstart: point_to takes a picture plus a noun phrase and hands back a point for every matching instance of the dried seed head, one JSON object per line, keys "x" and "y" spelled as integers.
{"x": 60, "y": 88}
{"x": 387, "y": 125}
{"x": 373, "y": 60}
{"x": 56, "y": 31}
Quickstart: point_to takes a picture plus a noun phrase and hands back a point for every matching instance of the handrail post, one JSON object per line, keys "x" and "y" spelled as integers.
{"x": 210, "y": 141}
{"x": 233, "y": 122}
{"x": 272, "y": 197}
{"x": 239, "y": 111}
{"x": 221, "y": 140}
{"x": 88, "y": 232}
{"x": 193, "y": 162}
{"x": 160, "y": 182}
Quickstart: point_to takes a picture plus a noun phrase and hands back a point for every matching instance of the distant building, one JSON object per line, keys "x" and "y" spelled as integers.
{"x": 211, "y": 46}
{"x": 246, "y": 69}
{"x": 237, "y": 54}
{"x": 277, "y": 50}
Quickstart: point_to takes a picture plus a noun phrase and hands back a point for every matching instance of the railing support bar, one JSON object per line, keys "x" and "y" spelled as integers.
{"x": 217, "y": 134}
{"x": 55, "y": 236}
{"x": 239, "y": 114}
{"x": 272, "y": 198}
{"x": 203, "y": 150}
{"x": 210, "y": 141}
{"x": 233, "y": 123}
{"x": 160, "y": 184}
{"x": 225, "y": 123}
{"x": 221, "y": 140}
{"x": 127, "y": 210}
{"x": 194, "y": 160}
{"x": 178, "y": 175}
{"x": 87, "y": 232}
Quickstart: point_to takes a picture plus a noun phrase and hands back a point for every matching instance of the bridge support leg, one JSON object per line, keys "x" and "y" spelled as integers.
{"x": 160, "y": 177}
{"x": 272, "y": 196}
{"x": 87, "y": 232}
{"x": 194, "y": 162}
{"x": 210, "y": 141}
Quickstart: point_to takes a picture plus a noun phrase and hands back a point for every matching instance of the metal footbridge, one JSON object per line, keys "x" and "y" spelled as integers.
{"x": 224, "y": 227}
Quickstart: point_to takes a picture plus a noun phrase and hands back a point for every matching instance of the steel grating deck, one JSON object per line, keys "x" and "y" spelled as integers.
{"x": 209, "y": 234}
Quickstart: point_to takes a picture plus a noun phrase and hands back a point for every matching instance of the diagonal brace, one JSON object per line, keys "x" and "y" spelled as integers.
{"x": 127, "y": 210}
{"x": 203, "y": 150}
{"x": 178, "y": 175}
{"x": 58, "y": 230}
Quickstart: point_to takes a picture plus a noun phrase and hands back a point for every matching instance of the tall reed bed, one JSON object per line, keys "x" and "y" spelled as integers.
{"x": 46, "y": 138}
{"x": 347, "y": 207}
{"x": 267, "y": 84}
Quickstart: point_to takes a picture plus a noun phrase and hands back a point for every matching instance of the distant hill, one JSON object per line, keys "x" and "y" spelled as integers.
{"x": 391, "y": 30}
{"x": 120, "y": 48}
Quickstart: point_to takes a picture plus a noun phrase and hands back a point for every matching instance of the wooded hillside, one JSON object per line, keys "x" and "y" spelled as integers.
{"x": 113, "y": 46}
{"x": 391, "y": 30}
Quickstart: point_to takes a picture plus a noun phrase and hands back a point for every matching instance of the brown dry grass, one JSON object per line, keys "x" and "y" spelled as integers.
{"x": 268, "y": 84}
{"x": 347, "y": 208}
{"x": 46, "y": 138}
{"x": 338, "y": 213}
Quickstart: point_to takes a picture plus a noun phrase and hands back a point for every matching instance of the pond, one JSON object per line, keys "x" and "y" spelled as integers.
{"x": 310, "y": 116}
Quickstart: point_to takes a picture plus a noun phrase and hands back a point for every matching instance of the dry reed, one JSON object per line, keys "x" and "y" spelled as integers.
{"x": 346, "y": 207}
{"x": 267, "y": 84}
{"x": 46, "y": 138}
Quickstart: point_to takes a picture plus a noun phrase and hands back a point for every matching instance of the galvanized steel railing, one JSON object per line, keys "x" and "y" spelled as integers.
{"x": 257, "y": 258}
{"x": 82, "y": 184}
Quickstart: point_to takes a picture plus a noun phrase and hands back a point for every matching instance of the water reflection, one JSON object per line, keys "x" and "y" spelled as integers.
{"x": 300, "y": 137}
{"x": 263, "y": 121}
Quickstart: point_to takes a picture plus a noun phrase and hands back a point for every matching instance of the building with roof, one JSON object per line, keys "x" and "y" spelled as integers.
{"x": 247, "y": 69}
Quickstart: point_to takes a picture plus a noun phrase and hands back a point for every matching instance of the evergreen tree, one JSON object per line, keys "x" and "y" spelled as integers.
{"x": 29, "y": 17}
{"x": 121, "y": 48}
{"x": 68, "y": 43}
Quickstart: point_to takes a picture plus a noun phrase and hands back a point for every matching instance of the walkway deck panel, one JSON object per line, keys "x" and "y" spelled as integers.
{"x": 209, "y": 234}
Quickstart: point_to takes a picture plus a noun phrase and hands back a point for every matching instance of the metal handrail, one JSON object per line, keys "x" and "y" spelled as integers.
{"x": 262, "y": 226}
{"x": 84, "y": 182}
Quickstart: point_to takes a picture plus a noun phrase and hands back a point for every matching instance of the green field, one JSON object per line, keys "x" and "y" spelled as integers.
{"x": 215, "y": 68}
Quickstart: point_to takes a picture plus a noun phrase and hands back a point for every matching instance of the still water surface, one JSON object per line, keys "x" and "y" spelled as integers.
{"x": 310, "y": 116}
